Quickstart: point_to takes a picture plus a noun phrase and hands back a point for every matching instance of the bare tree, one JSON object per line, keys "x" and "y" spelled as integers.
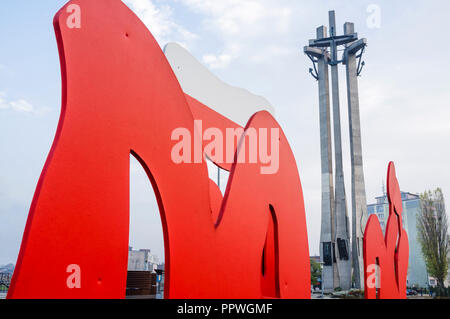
{"x": 432, "y": 233}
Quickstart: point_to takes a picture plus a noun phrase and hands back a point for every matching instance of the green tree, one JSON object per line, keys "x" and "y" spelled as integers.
{"x": 432, "y": 234}
{"x": 316, "y": 272}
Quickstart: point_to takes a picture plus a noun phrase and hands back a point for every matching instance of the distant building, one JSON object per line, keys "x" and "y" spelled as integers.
{"x": 417, "y": 272}
{"x": 142, "y": 260}
{"x": 8, "y": 269}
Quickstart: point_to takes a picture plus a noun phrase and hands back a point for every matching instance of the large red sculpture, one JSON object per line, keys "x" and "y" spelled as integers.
{"x": 386, "y": 259}
{"x": 120, "y": 96}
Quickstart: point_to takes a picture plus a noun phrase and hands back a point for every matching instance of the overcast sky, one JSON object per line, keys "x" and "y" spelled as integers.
{"x": 257, "y": 45}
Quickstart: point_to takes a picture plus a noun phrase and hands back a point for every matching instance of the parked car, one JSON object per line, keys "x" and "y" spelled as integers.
{"x": 411, "y": 292}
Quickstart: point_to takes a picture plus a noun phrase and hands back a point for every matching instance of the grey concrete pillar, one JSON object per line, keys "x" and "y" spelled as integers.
{"x": 327, "y": 227}
{"x": 341, "y": 238}
{"x": 359, "y": 203}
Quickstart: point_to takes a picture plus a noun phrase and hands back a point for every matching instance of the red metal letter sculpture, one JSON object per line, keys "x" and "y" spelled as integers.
{"x": 120, "y": 96}
{"x": 386, "y": 260}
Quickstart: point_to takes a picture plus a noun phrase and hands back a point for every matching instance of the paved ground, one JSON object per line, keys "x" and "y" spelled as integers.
{"x": 420, "y": 297}
{"x": 316, "y": 295}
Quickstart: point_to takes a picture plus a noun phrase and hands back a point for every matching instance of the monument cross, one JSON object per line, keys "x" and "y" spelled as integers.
{"x": 335, "y": 231}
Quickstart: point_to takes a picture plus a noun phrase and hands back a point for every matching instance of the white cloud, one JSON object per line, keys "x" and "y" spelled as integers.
{"x": 160, "y": 21}
{"x": 241, "y": 17}
{"x": 242, "y": 26}
{"x": 3, "y": 102}
{"x": 21, "y": 106}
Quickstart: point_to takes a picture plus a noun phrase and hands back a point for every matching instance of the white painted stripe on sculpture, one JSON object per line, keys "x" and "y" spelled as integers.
{"x": 196, "y": 80}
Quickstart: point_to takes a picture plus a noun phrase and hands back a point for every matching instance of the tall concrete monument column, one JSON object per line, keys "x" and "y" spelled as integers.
{"x": 329, "y": 270}
{"x": 342, "y": 234}
{"x": 359, "y": 203}
{"x": 335, "y": 231}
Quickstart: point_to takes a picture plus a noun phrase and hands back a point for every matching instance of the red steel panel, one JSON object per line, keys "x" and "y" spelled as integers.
{"x": 391, "y": 253}
{"x": 120, "y": 96}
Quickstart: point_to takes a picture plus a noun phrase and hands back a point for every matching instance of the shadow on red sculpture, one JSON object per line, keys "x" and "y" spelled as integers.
{"x": 120, "y": 96}
{"x": 386, "y": 259}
